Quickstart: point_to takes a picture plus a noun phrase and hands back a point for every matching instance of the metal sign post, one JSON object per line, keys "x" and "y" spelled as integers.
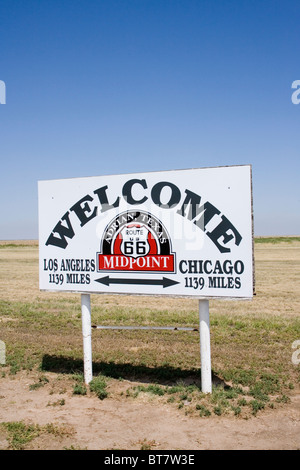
{"x": 204, "y": 329}
{"x": 87, "y": 337}
{"x": 205, "y": 355}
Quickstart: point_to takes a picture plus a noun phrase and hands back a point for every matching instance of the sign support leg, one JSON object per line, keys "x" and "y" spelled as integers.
{"x": 205, "y": 356}
{"x": 87, "y": 336}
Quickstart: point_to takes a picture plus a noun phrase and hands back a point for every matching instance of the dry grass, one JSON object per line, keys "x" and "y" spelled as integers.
{"x": 15, "y": 243}
{"x": 251, "y": 350}
{"x": 277, "y": 283}
{"x": 46, "y": 327}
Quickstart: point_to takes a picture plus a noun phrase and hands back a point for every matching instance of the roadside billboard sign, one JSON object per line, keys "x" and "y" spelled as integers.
{"x": 179, "y": 233}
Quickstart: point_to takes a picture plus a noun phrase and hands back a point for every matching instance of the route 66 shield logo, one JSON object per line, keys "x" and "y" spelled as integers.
{"x": 135, "y": 240}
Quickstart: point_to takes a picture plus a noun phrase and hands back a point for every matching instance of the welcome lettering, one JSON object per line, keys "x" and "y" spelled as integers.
{"x": 189, "y": 205}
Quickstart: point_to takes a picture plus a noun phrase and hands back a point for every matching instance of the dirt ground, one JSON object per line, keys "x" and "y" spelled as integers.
{"x": 85, "y": 422}
{"x": 120, "y": 422}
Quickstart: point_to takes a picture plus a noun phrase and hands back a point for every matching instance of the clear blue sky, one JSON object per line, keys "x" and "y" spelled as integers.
{"x": 120, "y": 86}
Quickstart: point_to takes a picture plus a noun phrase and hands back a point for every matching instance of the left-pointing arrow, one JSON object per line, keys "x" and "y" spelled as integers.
{"x": 164, "y": 282}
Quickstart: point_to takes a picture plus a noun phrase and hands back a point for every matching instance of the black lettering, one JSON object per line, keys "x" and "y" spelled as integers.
{"x": 218, "y": 268}
{"x": 222, "y": 231}
{"x": 193, "y": 266}
{"x": 127, "y": 191}
{"x": 239, "y": 267}
{"x": 70, "y": 278}
{"x": 227, "y": 266}
{"x": 174, "y": 198}
{"x": 192, "y": 203}
{"x": 80, "y": 211}
{"x": 50, "y": 264}
{"x": 101, "y": 193}
{"x": 77, "y": 265}
{"x": 181, "y": 268}
{"x": 205, "y": 266}
{"x": 76, "y": 278}
{"x": 63, "y": 232}
{"x": 222, "y": 282}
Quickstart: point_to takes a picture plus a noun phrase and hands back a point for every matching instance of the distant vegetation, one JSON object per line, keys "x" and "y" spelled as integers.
{"x": 276, "y": 239}
{"x": 17, "y": 243}
{"x": 267, "y": 239}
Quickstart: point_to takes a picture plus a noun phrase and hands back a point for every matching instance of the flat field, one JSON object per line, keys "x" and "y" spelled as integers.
{"x": 146, "y": 391}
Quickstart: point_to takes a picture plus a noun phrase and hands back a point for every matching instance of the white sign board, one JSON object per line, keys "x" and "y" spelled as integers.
{"x": 180, "y": 233}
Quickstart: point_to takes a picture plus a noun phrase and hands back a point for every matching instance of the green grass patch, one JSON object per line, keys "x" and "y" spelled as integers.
{"x": 79, "y": 389}
{"x": 98, "y": 386}
{"x": 3, "y": 246}
{"x": 40, "y": 383}
{"x": 20, "y": 434}
{"x": 276, "y": 239}
{"x": 153, "y": 389}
